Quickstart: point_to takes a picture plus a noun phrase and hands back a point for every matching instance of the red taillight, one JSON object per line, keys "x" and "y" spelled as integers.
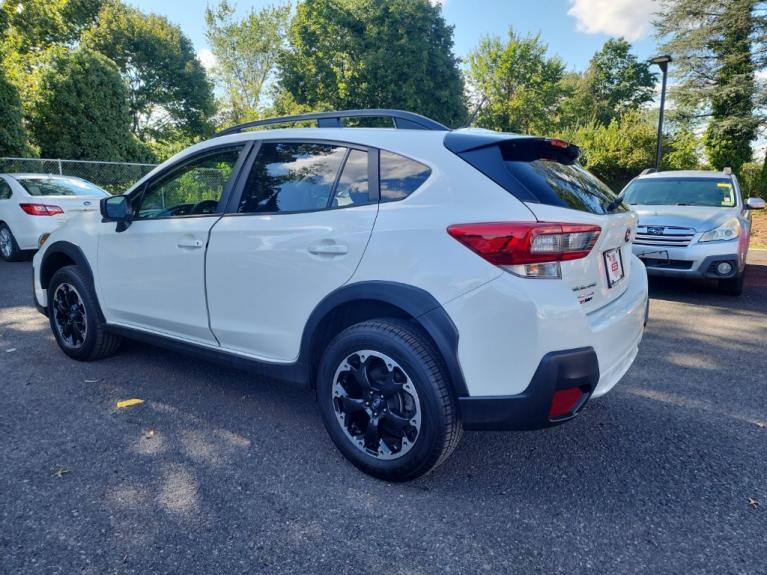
{"x": 564, "y": 402}
{"x": 515, "y": 243}
{"x": 41, "y": 209}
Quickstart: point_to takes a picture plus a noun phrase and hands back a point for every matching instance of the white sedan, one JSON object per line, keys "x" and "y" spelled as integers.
{"x": 33, "y": 205}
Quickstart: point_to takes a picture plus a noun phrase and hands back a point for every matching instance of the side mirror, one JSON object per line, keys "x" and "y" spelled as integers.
{"x": 116, "y": 209}
{"x": 754, "y": 204}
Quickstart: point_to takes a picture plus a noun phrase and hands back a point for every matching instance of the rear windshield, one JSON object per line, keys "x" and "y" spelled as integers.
{"x": 711, "y": 192}
{"x": 535, "y": 170}
{"x": 60, "y": 187}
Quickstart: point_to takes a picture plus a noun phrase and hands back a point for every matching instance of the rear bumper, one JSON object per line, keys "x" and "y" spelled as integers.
{"x": 577, "y": 368}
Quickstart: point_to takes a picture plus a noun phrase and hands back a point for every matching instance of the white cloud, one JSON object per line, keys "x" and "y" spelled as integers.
{"x": 206, "y": 58}
{"x": 628, "y": 18}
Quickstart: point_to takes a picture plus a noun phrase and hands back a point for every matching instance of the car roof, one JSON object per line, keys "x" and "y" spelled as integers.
{"x": 670, "y": 174}
{"x": 38, "y": 175}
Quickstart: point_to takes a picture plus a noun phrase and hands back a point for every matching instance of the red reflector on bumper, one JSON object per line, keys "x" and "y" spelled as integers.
{"x": 564, "y": 401}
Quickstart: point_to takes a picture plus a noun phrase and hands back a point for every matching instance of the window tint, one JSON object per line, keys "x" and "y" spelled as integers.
{"x": 352, "y": 187}
{"x": 193, "y": 188}
{"x": 291, "y": 177}
{"x": 400, "y": 176}
{"x": 5, "y": 190}
{"x": 59, "y": 186}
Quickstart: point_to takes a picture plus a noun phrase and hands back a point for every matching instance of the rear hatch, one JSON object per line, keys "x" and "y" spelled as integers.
{"x": 71, "y": 205}
{"x": 545, "y": 174}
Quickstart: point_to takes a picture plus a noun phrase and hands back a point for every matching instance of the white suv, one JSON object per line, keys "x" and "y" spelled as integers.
{"x": 422, "y": 280}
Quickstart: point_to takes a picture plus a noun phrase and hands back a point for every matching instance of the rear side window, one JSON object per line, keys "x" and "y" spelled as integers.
{"x": 400, "y": 176}
{"x": 5, "y": 190}
{"x": 293, "y": 177}
{"x": 543, "y": 171}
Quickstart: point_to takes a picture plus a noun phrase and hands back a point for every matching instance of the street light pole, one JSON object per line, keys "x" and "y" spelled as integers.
{"x": 662, "y": 62}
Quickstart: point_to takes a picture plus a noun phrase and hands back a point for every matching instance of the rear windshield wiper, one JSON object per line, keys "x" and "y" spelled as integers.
{"x": 614, "y": 204}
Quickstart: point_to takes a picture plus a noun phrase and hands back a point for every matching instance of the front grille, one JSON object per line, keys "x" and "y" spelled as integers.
{"x": 670, "y": 236}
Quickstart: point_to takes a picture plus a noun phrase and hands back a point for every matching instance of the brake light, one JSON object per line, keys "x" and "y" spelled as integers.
{"x": 558, "y": 143}
{"x": 41, "y": 209}
{"x": 528, "y": 249}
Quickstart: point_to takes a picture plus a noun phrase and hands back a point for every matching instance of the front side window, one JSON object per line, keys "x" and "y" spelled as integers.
{"x": 400, "y": 176}
{"x": 711, "y": 192}
{"x": 294, "y": 177}
{"x": 194, "y": 188}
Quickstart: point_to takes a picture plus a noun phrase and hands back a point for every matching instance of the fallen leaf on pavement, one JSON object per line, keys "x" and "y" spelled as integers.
{"x": 61, "y": 472}
{"x": 753, "y": 503}
{"x": 149, "y": 433}
{"x": 129, "y": 402}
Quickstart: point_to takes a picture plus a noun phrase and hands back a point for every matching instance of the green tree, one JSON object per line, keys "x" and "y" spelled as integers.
{"x": 620, "y": 150}
{"x": 519, "y": 87}
{"x": 168, "y": 89}
{"x": 13, "y": 137}
{"x": 717, "y": 45}
{"x": 246, "y": 54}
{"x": 369, "y": 54}
{"x": 88, "y": 87}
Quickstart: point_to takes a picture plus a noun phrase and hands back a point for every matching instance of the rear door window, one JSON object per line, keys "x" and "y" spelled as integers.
{"x": 352, "y": 187}
{"x": 295, "y": 177}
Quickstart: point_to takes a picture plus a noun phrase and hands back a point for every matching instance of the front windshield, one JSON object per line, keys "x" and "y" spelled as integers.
{"x": 57, "y": 186}
{"x": 710, "y": 192}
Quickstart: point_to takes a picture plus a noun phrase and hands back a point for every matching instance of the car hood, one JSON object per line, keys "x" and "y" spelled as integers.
{"x": 699, "y": 218}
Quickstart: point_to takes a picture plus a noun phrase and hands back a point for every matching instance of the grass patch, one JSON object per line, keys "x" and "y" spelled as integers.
{"x": 759, "y": 229}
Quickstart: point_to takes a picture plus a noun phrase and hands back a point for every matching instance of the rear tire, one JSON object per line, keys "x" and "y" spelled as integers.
{"x": 75, "y": 317}
{"x": 9, "y": 249}
{"x": 402, "y": 422}
{"x": 733, "y": 286}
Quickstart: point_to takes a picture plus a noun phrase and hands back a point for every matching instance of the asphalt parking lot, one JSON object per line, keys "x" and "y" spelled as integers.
{"x": 217, "y": 473}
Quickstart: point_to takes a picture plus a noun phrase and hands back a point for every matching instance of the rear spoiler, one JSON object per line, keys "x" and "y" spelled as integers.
{"x": 460, "y": 142}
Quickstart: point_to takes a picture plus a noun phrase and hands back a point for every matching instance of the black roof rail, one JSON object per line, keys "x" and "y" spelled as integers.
{"x": 402, "y": 120}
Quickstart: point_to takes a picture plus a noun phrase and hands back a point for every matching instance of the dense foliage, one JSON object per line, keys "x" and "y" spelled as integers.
{"x": 246, "y": 55}
{"x": 168, "y": 87}
{"x": 718, "y": 45}
{"x": 13, "y": 138}
{"x": 372, "y": 54}
{"x": 518, "y": 86}
{"x": 83, "y": 110}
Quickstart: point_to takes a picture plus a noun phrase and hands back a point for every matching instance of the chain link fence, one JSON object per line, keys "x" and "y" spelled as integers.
{"x": 114, "y": 177}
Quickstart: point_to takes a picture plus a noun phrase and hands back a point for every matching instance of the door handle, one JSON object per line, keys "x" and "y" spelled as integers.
{"x": 328, "y": 249}
{"x": 189, "y": 242}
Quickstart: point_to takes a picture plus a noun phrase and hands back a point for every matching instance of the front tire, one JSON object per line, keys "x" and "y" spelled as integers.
{"x": 9, "y": 249}
{"x": 385, "y": 400}
{"x": 734, "y": 285}
{"x": 75, "y": 319}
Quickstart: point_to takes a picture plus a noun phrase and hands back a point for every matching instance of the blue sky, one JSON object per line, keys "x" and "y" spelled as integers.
{"x": 573, "y": 29}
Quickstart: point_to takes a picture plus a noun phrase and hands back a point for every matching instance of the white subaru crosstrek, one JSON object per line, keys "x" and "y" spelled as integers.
{"x": 423, "y": 281}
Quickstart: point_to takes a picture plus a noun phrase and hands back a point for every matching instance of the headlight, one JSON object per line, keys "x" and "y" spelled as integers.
{"x": 729, "y": 230}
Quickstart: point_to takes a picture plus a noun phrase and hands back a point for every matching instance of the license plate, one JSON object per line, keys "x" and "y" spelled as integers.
{"x": 614, "y": 266}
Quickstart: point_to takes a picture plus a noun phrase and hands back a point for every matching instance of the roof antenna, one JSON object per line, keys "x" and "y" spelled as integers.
{"x": 477, "y": 111}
